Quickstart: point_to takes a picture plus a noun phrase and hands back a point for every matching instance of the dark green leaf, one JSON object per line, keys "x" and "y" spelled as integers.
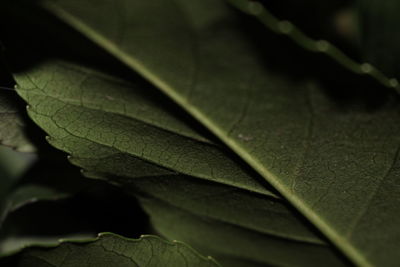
{"x": 225, "y": 240}
{"x": 335, "y": 163}
{"x": 80, "y": 216}
{"x": 12, "y": 123}
{"x": 119, "y": 130}
{"x": 13, "y": 164}
{"x": 91, "y": 136}
{"x": 113, "y": 250}
{"x": 46, "y": 180}
{"x": 119, "y": 116}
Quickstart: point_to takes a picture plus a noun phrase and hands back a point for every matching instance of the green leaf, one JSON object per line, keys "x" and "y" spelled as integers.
{"x": 113, "y": 250}
{"x": 61, "y": 108}
{"x": 78, "y": 106}
{"x": 336, "y": 164}
{"x": 46, "y": 180}
{"x": 12, "y": 120}
{"x": 13, "y": 164}
{"x": 73, "y": 216}
{"x": 225, "y": 240}
{"x": 31, "y": 225}
{"x": 12, "y": 123}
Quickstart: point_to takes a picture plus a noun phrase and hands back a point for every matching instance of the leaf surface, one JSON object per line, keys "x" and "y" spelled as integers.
{"x": 223, "y": 239}
{"x": 78, "y": 105}
{"x": 113, "y": 250}
{"x": 337, "y": 165}
{"x": 90, "y": 134}
{"x": 85, "y": 111}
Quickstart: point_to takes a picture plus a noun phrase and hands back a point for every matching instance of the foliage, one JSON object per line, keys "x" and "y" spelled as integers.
{"x": 217, "y": 123}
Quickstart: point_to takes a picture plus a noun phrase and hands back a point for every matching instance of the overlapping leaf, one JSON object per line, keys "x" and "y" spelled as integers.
{"x": 336, "y": 163}
{"x": 46, "y": 181}
{"x": 228, "y": 192}
{"x": 113, "y": 250}
{"x": 81, "y": 111}
{"x": 58, "y": 211}
{"x": 12, "y": 124}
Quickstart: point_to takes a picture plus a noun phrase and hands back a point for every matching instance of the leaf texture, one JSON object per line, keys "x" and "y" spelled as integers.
{"x": 113, "y": 250}
{"x": 75, "y": 104}
{"x": 139, "y": 164}
{"x": 336, "y": 163}
{"x": 95, "y": 103}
